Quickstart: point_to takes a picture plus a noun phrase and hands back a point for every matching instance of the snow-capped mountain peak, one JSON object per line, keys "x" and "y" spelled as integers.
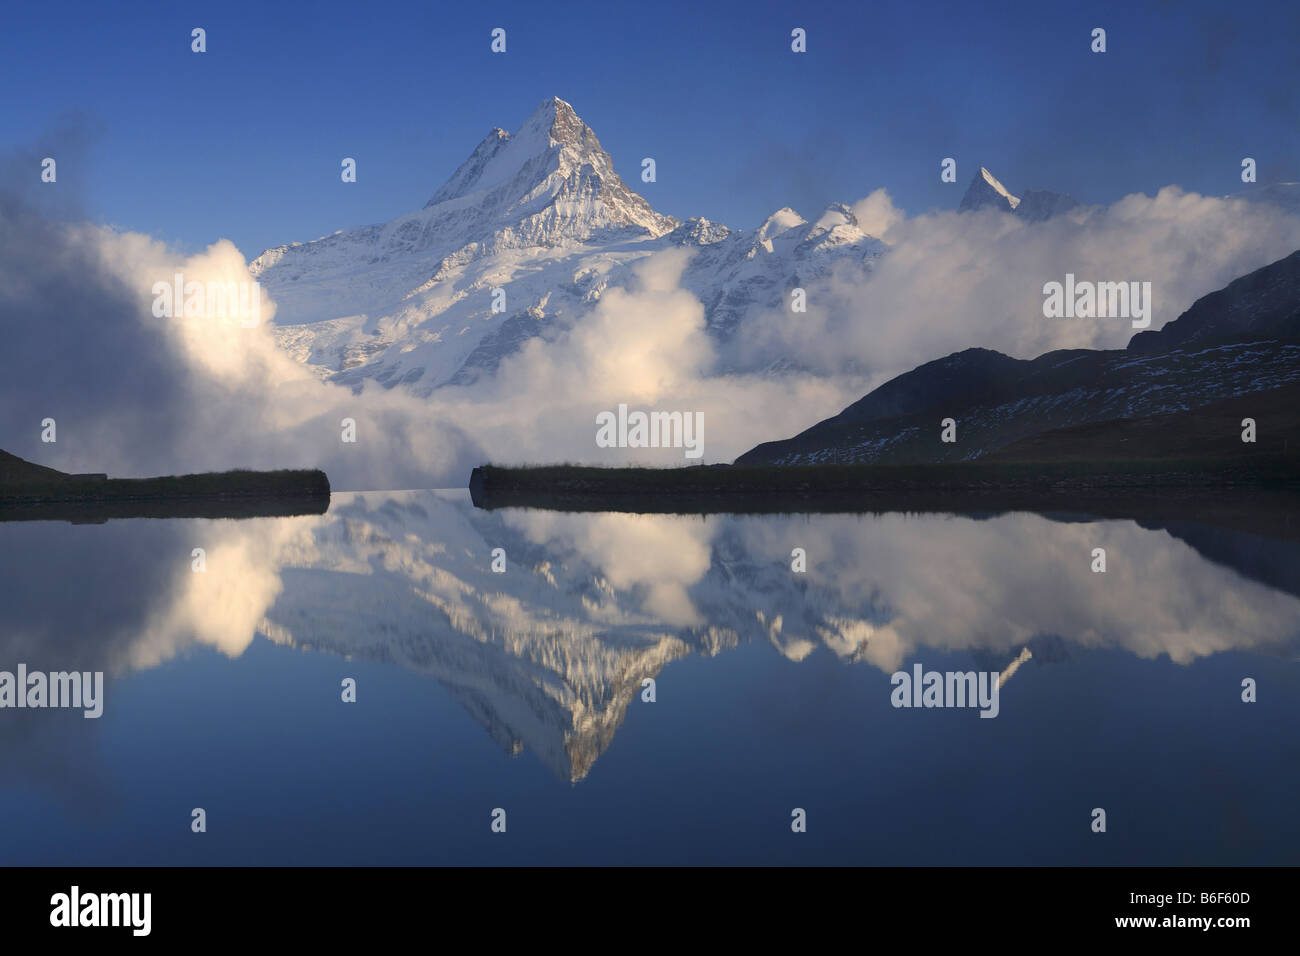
{"x": 470, "y": 173}
{"x": 985, "y": 191}
{"x": 541, "y": 214}
{"x": 553, "y": 162}
{"x": 836, "y": 214}
{"x": 783, "y": 220}
{"x": 1033, "y": 205}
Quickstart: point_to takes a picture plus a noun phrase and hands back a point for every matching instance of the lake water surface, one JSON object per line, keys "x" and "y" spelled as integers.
{"x": 523, "y": 690}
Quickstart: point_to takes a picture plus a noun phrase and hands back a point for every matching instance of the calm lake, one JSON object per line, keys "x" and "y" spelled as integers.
{"x": 524, "y": 690}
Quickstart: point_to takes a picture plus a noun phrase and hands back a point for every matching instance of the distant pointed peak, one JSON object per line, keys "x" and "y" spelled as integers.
{"x": 984, "y": 191}
{"x": 552, "y": 106}
{"x": 998, "y": 187}
{"x": 554, "y": 123}
{"x": 553, "y": 152}
{"x": 556, "y": 106}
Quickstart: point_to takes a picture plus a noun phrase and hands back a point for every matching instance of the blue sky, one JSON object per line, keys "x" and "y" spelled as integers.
{"x": 244, "y": 142}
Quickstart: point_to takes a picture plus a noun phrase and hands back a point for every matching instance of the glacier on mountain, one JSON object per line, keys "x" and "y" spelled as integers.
{"x": 543, "y": 215}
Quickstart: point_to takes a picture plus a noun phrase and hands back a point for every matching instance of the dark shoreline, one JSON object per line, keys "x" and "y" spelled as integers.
{"x": 98, "y": 512}
{"x": 231, "y": 494}
{"x": 1261, "y": 496}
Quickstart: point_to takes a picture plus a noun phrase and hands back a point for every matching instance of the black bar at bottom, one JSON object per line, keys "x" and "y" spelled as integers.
{"x": 336, "y": 905}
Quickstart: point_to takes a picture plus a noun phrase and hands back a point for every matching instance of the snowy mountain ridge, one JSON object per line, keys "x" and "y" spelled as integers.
{"x": 543, "y": 215}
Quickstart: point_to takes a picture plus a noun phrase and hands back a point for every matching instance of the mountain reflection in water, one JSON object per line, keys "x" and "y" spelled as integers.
{"x": 550, "y": 656}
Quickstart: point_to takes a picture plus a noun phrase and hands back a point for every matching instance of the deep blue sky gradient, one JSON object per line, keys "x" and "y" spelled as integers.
{"x": 245, "y": 141}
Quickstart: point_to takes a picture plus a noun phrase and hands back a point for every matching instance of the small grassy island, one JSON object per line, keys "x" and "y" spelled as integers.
{"x": 33, "y": 492}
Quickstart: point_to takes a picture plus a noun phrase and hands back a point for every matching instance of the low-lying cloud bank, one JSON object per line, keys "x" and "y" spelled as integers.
{"x": 136, "y": 394}
{"x": 644, "y": 346}
{"x": 951, "y": 280}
